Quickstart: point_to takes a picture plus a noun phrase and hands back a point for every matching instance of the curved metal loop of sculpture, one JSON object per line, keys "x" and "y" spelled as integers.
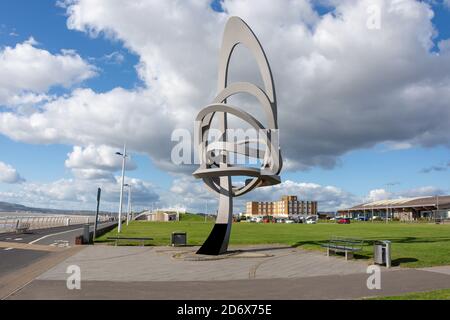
{"x": 215, "y": 169}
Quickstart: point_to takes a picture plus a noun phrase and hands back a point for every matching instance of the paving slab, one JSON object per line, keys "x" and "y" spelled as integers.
{"x": 336, "y": 287}
{"x": 248, "y": 272}
{"x": 109, "y": 263}
{"x": 439, "y": 269}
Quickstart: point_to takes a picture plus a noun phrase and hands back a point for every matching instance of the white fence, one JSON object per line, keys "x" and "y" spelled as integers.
{"x": 10, "y": 224}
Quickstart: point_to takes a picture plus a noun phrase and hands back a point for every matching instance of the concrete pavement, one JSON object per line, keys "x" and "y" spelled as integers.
{"x": 351, "y": 286}
{"x": 25, "y": 256}
{"x": 255, "y": 272}
{"x": 19, "y": 277}
{"x": 127, "y": 264}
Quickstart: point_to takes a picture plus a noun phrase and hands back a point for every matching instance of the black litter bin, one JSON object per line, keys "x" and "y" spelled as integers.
{"x": 179, "y": 238}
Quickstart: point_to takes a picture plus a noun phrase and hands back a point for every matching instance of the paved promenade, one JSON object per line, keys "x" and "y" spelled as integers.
{"x": 109, "y": 263}
{"x": 258, "y": 272}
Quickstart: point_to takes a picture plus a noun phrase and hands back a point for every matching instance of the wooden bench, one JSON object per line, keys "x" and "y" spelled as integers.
{"x": 117, "y": 239}
{"x": 346, "y": 245}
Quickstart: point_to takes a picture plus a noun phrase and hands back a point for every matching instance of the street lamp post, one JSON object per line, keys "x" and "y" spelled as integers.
{"x": 388, "y": 185}
{"x": 129, "y": 202}
{"x": 124, "y": 155}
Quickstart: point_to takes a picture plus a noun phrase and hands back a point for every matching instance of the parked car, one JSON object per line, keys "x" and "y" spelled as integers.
{"x": 289, "y": 221}
{"x": 298, "y": 220}
{"x": 363, "y": 219}
{"x": 344, "y": 221}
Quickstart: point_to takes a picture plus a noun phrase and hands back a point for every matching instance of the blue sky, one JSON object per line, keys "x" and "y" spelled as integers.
{"x": 357, "y": 171}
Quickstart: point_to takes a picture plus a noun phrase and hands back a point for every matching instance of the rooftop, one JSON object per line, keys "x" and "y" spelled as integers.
{"x": 431, "y": 201}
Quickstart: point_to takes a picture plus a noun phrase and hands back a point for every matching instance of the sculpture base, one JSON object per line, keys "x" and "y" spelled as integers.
{"x": 217, "y": 242}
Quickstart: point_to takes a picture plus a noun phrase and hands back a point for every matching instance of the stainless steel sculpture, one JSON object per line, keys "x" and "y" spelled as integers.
{"x": 215, "y": 168}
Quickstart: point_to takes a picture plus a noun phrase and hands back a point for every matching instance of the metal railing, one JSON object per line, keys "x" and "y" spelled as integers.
{"x": 11, "y": 224}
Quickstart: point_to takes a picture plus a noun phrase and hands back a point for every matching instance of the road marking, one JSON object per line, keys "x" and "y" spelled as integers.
{"x": 26, "y": 246}
{"x": 7, "y": 249}
{"x": 60, "y": 244}
{"x": 18, "y": 239}
{"x": 53, "y": 234}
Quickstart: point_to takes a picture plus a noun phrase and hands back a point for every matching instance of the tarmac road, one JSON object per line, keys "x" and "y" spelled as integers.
{"x": 45, "y": 236}
{"x": 12, "y": 259}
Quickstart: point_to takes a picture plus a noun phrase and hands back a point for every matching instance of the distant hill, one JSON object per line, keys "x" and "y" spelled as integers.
{"x": 14, "y": 207}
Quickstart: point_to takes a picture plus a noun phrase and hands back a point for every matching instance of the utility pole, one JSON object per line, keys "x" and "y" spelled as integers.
{"x": 129, "y": 202}
{"x": 99, "y": 192}
{"x": 124, "y": 155}
{"x": 390, "y": 184}
{"x": 206, "y": 211}
{"x": 437, "y": 208}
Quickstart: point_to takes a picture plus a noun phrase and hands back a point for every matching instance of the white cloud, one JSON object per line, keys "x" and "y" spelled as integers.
{"x": 377, "y": 195}
{"x": 9, "y": 174}
{"x": 96, "y": 162}
{"x": 113, "y": 58}
{"x": 423, "y": 192}
{"x": 85, "y": 117}
{"x": 194, "y": 195}
{"x": 79, "y": 194}
{"x": 27, "y": 72}
{"x": 329, "y": 198}
{"x": 398, "y": 146}
{"x": 340, "y": 85}
{"x": 191, "y": 193}
{"x": 382, "y": 194}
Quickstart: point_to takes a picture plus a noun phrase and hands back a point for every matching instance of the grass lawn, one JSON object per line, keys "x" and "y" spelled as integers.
{"x": 429, "y": 295}
{"x": 413, "y": 245}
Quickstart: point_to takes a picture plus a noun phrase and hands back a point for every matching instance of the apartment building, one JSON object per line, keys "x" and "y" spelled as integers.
{"x": 287, "y": 206}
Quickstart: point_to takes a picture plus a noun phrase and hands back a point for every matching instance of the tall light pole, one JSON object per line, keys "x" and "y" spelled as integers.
{"x": 129, "y": 201}
{"x": 437, "y": 208}
{"x": 388, "y": 185}
{"x": 124, "y": 156}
